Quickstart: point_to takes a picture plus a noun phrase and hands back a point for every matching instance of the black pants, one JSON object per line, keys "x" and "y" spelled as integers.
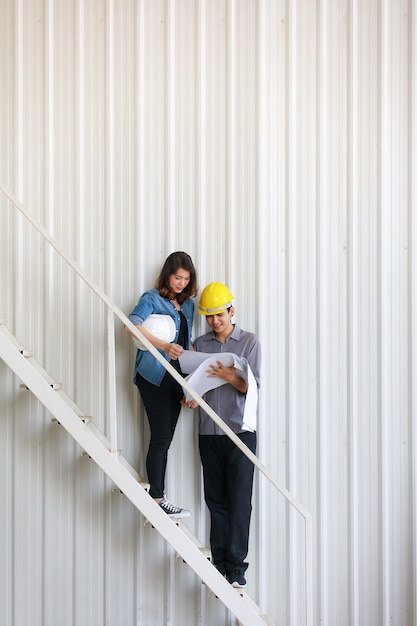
{"x": 228, "y": 481}
{"x": 162, "y": 406}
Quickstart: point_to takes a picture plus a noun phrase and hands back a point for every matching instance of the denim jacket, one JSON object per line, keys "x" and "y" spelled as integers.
{"x": 151, "y": 302}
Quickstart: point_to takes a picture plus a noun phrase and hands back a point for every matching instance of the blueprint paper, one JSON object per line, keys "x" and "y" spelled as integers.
{"x": 196, "y": 364}
{"x": 190, "y": 360}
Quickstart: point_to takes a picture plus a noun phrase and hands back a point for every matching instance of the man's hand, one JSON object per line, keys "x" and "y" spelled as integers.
{"x": 228, "y": 374}
{"x": 190, "y": 404}
{"x": 220, "y": 371}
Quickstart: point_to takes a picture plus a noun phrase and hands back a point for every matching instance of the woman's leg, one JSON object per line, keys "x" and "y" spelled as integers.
{"x": 162, "y": 405}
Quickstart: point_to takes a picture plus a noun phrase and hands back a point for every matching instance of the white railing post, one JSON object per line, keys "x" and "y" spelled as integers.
{"x": 111, "y": 371}
{"x": 309, "y": 569}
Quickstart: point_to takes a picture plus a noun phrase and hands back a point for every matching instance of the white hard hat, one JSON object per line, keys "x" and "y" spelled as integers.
{"x": 162, "y": 326}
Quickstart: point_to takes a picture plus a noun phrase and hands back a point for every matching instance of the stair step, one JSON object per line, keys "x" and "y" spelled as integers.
{"x": 203, "y": 549}
{"x": 25, "y": 352}
{"x": 177, "y": 521}
{"x": 83, "y": 418}
{"x": 52, "y": 383}
{"x": 74, "y": 406}
{"x": 206, "y": 552}
{"x": 38, "y": 367}
{"x": 144, "y": 483}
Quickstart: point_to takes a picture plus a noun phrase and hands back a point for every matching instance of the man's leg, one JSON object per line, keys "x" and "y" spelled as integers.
{"x": 239, "y": 488}
{"x": 215, "y": 495}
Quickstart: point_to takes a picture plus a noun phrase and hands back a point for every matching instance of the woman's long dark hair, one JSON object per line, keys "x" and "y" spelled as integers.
{"x": 175, "y": 262}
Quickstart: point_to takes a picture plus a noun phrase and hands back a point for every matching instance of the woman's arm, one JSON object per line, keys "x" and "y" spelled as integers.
{"x": 173, "y": 350}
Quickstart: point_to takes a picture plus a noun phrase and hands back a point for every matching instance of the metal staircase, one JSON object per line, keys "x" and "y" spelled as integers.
{"x": 105, "y": 451}
{"x": 81, "y": 427}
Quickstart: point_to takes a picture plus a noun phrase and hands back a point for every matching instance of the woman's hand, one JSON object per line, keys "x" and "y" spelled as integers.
{"x": 173, "y": 350}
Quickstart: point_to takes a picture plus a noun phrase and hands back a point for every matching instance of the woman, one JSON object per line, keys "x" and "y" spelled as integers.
{"x": 160, "y": 392}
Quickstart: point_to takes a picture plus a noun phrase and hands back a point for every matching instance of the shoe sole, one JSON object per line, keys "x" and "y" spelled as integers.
{"x": 180, "y": 514}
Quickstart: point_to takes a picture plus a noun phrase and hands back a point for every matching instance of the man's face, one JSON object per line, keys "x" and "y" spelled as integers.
{"x": 221, "y": 321}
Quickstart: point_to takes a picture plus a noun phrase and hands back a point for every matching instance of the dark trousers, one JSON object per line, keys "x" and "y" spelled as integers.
{"x": 228, "y": 480}
{"x": 162, "y": 406}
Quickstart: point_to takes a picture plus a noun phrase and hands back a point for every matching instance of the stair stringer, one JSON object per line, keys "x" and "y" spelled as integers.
{"x": 115, "y": 467}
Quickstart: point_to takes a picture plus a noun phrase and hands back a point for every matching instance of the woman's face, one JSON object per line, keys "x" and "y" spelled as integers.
{"x": 179, "y": 280}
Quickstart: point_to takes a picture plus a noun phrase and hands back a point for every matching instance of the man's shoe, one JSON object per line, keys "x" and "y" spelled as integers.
{"x": 237, "y": 580}
{"x": 221, "y": 568}
{"x": 172, "y": 510}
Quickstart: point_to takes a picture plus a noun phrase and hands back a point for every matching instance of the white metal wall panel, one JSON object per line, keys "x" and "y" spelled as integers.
{"x": 275, "y": 141}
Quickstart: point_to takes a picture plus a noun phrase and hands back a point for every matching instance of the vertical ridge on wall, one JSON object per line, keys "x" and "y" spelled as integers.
{"x": 353, "y": 239}
{"x": 394, "y": 375}
{"x": 323, "y": 308}
{"x": 171, "y": 121}
{"x": 231, "y": 149}
{"x": 292, "y": 294}
{"x": 201, "y": 138}
{"x": 412, "y": 187}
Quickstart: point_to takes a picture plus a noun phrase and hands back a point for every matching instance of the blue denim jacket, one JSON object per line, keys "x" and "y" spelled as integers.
{"x": 151, "y": 302}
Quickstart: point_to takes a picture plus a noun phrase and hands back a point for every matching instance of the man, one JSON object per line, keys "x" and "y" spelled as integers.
{"x": 227, "y": 472}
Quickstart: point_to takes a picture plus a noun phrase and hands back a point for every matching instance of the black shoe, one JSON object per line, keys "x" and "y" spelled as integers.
{"x": 172, "y": 510}
{"x": 221, "y": 568}
{"x": 237, "y": 579}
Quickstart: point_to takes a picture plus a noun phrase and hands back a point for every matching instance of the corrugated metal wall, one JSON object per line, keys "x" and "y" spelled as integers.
{"x": 275, "y": 141}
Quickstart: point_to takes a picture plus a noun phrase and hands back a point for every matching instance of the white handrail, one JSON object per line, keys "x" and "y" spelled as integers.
{"x": 123, "y": 318}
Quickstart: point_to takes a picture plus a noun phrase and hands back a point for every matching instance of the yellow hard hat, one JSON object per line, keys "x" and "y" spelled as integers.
{"x": 215, "y": 298}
